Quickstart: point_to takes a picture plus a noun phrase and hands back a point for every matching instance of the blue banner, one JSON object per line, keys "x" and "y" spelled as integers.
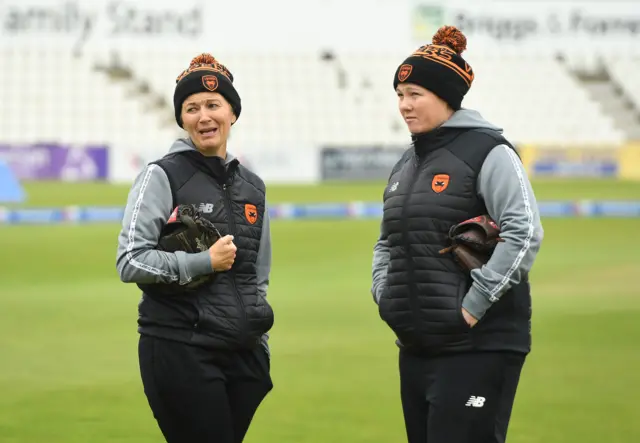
{"x": 319, "y": 211}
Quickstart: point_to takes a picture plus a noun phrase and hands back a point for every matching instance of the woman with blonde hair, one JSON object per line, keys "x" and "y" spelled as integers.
{"x": 203, "y": 351}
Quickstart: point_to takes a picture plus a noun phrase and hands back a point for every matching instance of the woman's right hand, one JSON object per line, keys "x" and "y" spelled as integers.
{"x": 223, "y": 254}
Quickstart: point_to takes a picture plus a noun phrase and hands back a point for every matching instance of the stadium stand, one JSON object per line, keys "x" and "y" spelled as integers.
{"x": 626, "y": 81}
{"x": 69, "y": 102}
{"x": 624, "y": 71}
{"x": 124, "y": 97}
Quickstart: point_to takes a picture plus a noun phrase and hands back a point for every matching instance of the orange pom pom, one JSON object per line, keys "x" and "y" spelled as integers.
{"x": 203, "y": 59}
{"x": 451, "y": 37}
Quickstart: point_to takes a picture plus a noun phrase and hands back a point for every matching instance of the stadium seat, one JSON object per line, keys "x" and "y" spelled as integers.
{"x": 625, "y": 74}
{"x": 293, "y": 98}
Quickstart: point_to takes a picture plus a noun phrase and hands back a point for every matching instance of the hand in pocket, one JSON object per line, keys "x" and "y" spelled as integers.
{"x": 470, "y": 319}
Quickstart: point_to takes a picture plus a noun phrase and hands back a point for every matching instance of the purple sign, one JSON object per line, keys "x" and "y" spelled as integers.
{"x": 50, "y": 161}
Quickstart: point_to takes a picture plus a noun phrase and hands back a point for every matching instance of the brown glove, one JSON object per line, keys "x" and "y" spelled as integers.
{"x": 186, "y": 230}
{"x": 473, "y": 241}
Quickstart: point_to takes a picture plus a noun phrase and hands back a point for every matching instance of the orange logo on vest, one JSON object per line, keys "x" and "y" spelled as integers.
{"x": 251, "y": 213}
{"x": 440, "y": 182}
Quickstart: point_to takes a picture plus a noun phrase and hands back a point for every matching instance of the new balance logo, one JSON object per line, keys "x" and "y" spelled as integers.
{"x": 476, "y": 402}
{"x": 206, "y": 208}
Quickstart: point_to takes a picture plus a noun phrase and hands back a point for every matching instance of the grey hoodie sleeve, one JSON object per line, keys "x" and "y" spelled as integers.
{"x": 263, "y": 264}
{"x": 380, "y": 263}
{"x": 147, "y": 210}
{"x": 510, "y": 202}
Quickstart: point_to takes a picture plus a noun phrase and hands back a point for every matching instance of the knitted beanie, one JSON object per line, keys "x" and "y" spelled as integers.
{"x": 439, "y": 67}
{"x": 205, "y": 74}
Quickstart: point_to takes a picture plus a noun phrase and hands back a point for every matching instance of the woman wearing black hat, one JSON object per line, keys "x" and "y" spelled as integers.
{"x": 463, "y": 336}
{"x": 203, "y": 354}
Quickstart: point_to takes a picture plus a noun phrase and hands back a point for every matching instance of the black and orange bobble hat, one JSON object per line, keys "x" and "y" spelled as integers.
{"x": 439, "y": 67}
{"x": 205, "y": 74}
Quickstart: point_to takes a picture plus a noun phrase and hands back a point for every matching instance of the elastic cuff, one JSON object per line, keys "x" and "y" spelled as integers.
{"x": 376, "y": 292}
{"x": 476, "y": 303}
{"x": 198, "y": 264}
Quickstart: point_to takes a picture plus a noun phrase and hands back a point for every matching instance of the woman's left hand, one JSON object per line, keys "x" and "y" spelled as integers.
{"x": 470, "y": 319}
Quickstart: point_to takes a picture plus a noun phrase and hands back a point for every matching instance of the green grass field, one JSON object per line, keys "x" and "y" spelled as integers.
{"x": 68, "y": 360}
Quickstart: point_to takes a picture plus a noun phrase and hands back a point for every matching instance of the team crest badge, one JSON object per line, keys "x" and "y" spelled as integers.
{"x": 210, "y": 82}
{"x": 404, "y": 72}
{"x": 440, "y": 182}
{"x": 251, "y": 213}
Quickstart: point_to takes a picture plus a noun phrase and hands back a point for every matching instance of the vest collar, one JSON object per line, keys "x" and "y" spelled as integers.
{"x": 429, "y": 141}
{"x": 215, "y": 167}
